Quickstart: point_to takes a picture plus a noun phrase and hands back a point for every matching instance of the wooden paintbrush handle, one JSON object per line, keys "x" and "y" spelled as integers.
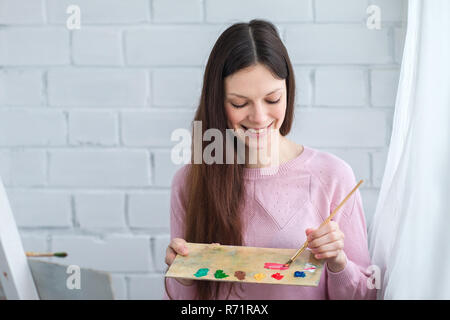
{"x": 327, "y": 220}
{"x": 38, "y": 254}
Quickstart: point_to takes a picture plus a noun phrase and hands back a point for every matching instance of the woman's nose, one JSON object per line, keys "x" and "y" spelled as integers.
{"x": 258, "y": 114}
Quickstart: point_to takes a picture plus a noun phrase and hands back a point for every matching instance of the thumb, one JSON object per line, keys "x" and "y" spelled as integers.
{"x": 308, "y": 231}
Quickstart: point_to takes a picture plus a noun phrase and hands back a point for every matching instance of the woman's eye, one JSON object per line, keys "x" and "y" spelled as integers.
{"x": 273, "y": 102}
{"x": 239, "y": 106}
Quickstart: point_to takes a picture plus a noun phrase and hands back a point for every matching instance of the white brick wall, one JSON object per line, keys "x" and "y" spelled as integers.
{"x": 97, "y": 87}
{"x": 21, "y": 87}
{"x": 32, "y": 127}
{"x": 99, "y": 168}
{"x": 97, "y": 46}
{"x": 93, "y": 127}
{"x": 98, "y": 210}
{"x": 34, "y": 46}
{"x": 86, "y": 115}
{"x": 342, "y": 10}
{"x": 340, "y": 87}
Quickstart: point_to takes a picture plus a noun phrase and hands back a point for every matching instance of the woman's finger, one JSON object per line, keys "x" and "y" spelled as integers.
{"x": 327, "y": 255}
{"x": 329, "y": 227}
{"x": 332, "y": 246}
{"x": 327, "y": 238}
{"x": 170, "y": 256}
{"x": 179, "y": 246}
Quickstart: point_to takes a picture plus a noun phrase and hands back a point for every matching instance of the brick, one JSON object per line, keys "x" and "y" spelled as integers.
{"x": 21, "y": 12}
{"x": 164, "y": 168}
{"x": 369, "y": 198}
{"x": 340, "y": 87}
{"x": 34, "y": 242}
{"x": 97, "y": 46}
{"x": 391, "y": 10}
{"x": 100, "y": 210}
{"x": 170, "y": 45}
{"x": 177, "y": 87}
{"x": 149, "y": 210}
{"x": 5, "y": 167}
{"x": 119, "y": 286}
{"x": 283, "y": 11}
{"x": 40, "y": 208}
{"x": 303, "y": 86}
{"x": 99, "y": 88}
{"x": 160, "y": 243}
{"x": 344, "y": 10}
{"x": 399, "y": 43}
{"x": 147, "y": 287}
{"x": 93, "y": 128}
{"x": 114, "y": 253}
{"x": 340, "y": 128}
{"x": 153, "y": 128}
{"x": 100, "y": 11}
{"x": 379, "y": 163}
{"x": 34, "y": 46}
{"x": 28, "y": 168}
{"x": 98, "y": 168}
{"x": 177, "y": 10}
{"x": 32, "y": 128}
{"x": 21, "y": 88}
{"x": 384, "y": 84}
{"x": 337, "y": 44}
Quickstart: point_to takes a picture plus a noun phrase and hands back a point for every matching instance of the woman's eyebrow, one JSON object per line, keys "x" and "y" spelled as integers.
{"x": 235, "y": 94}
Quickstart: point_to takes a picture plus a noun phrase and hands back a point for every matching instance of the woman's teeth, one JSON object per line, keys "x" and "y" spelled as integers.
{"x": 261, "y": 130}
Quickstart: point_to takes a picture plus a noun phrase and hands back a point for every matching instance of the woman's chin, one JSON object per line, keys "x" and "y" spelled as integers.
{"x": 257, "y": 145}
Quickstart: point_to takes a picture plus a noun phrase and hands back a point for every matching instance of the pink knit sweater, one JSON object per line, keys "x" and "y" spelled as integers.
{"x": 279, "y": 207}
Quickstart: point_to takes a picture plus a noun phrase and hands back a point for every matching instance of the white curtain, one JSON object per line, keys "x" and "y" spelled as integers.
{"x": 409, "y": 237}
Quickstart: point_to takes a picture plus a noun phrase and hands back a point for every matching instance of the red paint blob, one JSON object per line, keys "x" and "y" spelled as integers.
{"x": 277, "y": 276}
{"x": 274, "y": 266}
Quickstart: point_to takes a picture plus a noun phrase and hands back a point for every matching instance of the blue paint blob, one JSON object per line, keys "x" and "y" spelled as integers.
{"x": 300, "y": 274}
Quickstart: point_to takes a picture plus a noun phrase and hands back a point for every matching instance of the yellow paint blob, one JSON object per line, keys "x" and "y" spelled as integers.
{"x": 259, "y": 276}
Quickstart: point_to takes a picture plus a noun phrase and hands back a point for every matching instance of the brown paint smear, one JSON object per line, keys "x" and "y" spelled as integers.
{"x": 240, "y": 275}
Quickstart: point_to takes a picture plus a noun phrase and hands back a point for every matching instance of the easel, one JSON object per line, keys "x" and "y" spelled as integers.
{"x": 23, "y": 278}
{"x": 15, "y": 274}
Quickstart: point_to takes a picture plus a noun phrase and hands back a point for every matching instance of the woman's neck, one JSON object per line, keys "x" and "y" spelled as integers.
{"x": 284, "y": 151}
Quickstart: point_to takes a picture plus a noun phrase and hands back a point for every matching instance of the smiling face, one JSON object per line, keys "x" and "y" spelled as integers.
{"x": 255, "y": 105}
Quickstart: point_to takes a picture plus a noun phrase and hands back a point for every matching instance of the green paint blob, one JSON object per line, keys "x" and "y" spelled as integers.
{"x": 220, "y": 274}
{"x": 201, "y": 272}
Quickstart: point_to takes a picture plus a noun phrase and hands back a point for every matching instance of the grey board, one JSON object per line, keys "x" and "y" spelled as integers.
{"x": 50, "y": 279}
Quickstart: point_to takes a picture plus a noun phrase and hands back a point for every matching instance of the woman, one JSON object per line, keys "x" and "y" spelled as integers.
{"x": 249, "y": 88}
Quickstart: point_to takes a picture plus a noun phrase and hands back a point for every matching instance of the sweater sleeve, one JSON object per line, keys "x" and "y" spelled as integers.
{"x": 177, "y": 213}
{"x": 352, "y": 281}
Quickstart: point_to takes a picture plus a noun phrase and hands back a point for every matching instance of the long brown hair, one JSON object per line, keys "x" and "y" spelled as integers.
{"x": 215, "y": 191}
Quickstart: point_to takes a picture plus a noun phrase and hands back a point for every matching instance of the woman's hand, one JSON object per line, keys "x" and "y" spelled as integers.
{"x": 177, "y": 246}
{"x": 327, "y": 243}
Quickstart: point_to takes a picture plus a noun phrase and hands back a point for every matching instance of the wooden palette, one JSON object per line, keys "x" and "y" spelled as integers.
{"x": 250, "y": 260}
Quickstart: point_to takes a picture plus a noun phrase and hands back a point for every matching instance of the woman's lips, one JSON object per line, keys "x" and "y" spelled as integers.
{"x": 257, "y": 133}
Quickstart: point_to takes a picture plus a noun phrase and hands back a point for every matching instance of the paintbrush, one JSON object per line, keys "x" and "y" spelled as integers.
{"x": 299, "y": 251}
{"x": 54, "y": 254}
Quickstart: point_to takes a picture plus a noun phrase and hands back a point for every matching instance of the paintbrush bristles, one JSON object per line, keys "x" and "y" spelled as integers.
{"x": 299, "y": 251}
